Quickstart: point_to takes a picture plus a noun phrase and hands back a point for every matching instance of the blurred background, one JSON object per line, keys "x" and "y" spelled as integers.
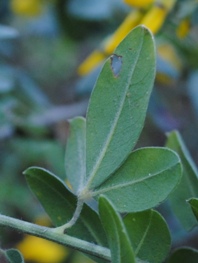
{"x": 51, "y": 52}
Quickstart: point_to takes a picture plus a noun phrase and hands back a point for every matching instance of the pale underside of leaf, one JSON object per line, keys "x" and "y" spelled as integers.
{"x": 119, "y": 243}
{"x": 75, "y": 162}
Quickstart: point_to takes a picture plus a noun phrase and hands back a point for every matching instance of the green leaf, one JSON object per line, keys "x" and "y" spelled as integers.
{"x": 89, "y": 227}
{"x": 119, "y": 243}
{"x": 52, "y": 193}
{"x": 188, "y": 186}
{"x": 14, "y": 256}
{"x": 184, "y": 255}
{"x": 11, "y": 256}
{"x": 60, "y": 204}
{"x": 194, "y": 206}
{"x": 75, "y": 153}
{"x": 118, "y": 105}
{"x": 144, "y": 180}
{"x": 149, "y": 235}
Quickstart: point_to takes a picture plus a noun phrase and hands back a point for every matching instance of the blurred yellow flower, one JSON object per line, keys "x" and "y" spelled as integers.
{"x": 94, "y": 59}
{"x": 139, "y": 3}
{"x": 153, "y": 18}
{"x": 26, "y": 7}
{"x": 110, "y": 43}
{"x": 168, "y": 53}
{"x": 183, "y": 28}
{"x": 42, "y": 251}
{"x": 132, "y": 20}
{"x": 168, "y": 4}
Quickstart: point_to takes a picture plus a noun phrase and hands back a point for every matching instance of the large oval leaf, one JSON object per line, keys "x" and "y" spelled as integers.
{"x": 118, "y": 105}
{"x": 121, "y": 249}
{"x": 60, "y": 204}
{"x": 75, "y": 153}
{"x": 144, "y": 180}
{"x": 188, "y": 186}
{"x": 149, "y": 235}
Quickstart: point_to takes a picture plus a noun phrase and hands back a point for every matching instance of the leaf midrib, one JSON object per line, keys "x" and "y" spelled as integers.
{"x": 144, "y": 234}
{"x": 114, "y": 125}
{"x": 146, "y": 177}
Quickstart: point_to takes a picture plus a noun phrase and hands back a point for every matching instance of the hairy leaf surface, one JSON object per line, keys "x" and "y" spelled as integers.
{"x": 60, "y": 204}
{"x": 149, "y": 235}
{"x": 118, "y": 105}
{"x": 119, "y": 243}
{"x": 144, "y": 180}
{"x": 75, "y": 153}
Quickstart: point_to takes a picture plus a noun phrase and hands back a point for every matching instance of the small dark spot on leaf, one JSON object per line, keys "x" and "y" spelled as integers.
{"x": 116, "y": 64}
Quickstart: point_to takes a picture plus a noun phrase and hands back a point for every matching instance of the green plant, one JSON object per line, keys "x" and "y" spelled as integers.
{"x": 108, "y": 212}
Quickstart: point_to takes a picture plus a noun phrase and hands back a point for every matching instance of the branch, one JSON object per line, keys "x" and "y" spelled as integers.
{"x": 51, "y": 234}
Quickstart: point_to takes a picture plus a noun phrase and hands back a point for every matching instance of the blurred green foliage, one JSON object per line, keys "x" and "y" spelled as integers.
{"x": 39, "y": 55}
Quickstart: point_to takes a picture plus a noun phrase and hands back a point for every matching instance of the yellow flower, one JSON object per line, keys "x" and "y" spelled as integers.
{"x": 92, "y": 61}
{"x": 153, "y": 19}
{"x": 139, "y": 3}
{"x": 26, "y": 7}
{"x": 156, "y": 15}
{"x": 168, "y": 54}
{"x": 132, "y": 20}
{"x": 40, "y": 250}
{"x": 168, "y": 4}
{"x": 111, "y": 43}
{"x": 183, "y": 28}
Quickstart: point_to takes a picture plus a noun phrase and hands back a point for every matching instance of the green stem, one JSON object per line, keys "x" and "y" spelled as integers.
{"x": 62, "y": 229}
{"x": 51, "y": 234}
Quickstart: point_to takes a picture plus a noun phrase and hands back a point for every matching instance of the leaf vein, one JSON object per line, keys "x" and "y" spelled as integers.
{"x": 114, "y": 124}
{"x": 118, "y": 186}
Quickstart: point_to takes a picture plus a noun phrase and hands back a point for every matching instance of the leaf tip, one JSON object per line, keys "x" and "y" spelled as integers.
{"x": 28, "y": 170}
